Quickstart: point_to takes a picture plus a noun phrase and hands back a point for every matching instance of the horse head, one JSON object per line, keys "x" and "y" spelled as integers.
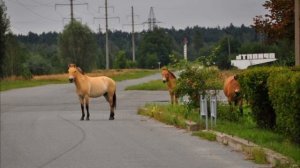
{"x": 73, "y": 72}
{"x": 165, "y": 74}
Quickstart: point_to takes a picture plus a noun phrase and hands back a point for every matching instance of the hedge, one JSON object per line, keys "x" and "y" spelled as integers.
{"x": 254, "y": 86}
{"x": 284, "y": 92}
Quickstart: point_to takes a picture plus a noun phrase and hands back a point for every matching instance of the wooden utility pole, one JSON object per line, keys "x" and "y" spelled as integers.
{"x": 297, "y": 32}
{"x": 106, "y": 37}
{"x": 106, "y": 32}
{"x": 132, "y": 39}
{"x": 132, "y": 32}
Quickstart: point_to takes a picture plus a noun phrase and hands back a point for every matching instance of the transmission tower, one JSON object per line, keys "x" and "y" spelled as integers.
{"x": 152, "y": 22}
{"x": 71, "y": 4}
{"x": 106, "y": 32}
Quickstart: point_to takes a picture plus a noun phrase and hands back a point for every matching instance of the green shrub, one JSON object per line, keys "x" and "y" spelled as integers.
{"x": 284, "y": 91}
{"x": 195, "y": 80}
{"x": 254, "y": 85}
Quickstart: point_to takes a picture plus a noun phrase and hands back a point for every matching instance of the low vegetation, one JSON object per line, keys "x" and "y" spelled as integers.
{"x": 152, "y": 85}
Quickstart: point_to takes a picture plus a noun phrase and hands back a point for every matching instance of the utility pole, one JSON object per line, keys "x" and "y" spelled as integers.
{"x": 106, "y": 33}
{"x": 297, "y": 32}
{"x": 71, "y": 8}
{"x": 106, "y": 37}
{"x": 132, "y": 39}
{"x": 132, "y": 33}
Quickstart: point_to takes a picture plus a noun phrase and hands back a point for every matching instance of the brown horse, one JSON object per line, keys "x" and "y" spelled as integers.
{"x": 170, "y": 78}
{"x": 92, "y": 87}
{"x": 232, "y": 91}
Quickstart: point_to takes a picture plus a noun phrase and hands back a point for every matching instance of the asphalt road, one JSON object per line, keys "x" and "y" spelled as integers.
{"x": 40, "y": 128}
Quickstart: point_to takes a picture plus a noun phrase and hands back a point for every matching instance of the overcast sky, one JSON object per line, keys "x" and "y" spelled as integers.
{"x": 41, "y": 15}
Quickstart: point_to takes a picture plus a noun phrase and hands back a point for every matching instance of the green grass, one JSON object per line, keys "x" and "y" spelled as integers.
{"x": 14, "y": 84}
{"x": 205, "y": 135}
{"x": 134, "y": 75}
{"x": 152, "y": 85}
{"x": 243, "y": 128}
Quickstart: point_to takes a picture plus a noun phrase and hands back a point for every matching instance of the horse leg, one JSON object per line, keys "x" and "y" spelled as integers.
{"x": 82, "y": 111}
{"x": 87, "y": 108}
{"x": 172, "y": 97}
{"x": 241, "y": 107}
{"x": 82, "y": 107}
{"x": 109, "y": 99}
{"x": 112, "y": 110}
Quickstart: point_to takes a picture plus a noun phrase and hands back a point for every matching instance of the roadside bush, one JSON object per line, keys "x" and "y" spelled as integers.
{"x": 195, "y": 80}
{"x": 254, "y": 86}
{"x": 284, "y": 92}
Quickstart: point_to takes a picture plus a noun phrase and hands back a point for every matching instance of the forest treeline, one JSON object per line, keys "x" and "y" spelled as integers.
{"x": 40, "y": 54}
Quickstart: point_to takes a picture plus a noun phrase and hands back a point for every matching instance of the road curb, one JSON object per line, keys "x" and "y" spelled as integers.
{"x": 244, "y": 146}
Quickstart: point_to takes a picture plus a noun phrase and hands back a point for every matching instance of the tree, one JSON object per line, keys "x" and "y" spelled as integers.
{"x": 4, "y": 28}
{"x": 279, "y": 23}
{"x": 220, "y": 52}
{"x": 158, "y": 45}
{"x": 15, "y": 56}
{"x": 77, "y": 44}
{"x": 120, "y": 60}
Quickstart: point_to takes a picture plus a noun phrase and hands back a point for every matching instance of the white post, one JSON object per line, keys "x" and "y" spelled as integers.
{"x": 185, "y": 48}
{"x": 203, "y": 109}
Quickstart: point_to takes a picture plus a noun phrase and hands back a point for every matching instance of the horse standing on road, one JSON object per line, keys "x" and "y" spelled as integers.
{"x": 232, "y": 91}
{"x": 92, "y": 87}
{"x": 170, "y": 78}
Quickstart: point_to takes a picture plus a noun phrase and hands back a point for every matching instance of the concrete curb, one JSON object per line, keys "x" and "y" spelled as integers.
{"x": 242, "y": 145}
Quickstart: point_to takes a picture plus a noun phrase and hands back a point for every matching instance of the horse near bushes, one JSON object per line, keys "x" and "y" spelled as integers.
{"x": 232, "y": 91}
{"x": 169, "y": 78}
{"x": 92, "y": 87}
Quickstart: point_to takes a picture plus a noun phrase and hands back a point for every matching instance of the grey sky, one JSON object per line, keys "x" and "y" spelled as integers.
{"x": 40, "y": 15}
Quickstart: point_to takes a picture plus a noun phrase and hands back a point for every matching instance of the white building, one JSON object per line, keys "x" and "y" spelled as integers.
{"x": 243, "y": 61}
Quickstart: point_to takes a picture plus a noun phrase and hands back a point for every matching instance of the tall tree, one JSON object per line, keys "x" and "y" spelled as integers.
{"x": 156, "y": 44}
{"x": 77, "y": 44}
{"x": 4, "y": 28}
{"x": 279, "y": 23}
{"x": 15, "y": 56}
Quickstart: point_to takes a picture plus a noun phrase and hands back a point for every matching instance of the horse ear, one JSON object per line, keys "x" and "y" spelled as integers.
{"x": 164, "y": 68}
{"x": 72, "y": 65}
{"x": 235, "y": 77}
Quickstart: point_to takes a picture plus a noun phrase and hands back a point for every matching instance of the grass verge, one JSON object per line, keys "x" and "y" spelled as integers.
{"x": 152, "y": 85}
{"x": 8, "y": 85}
{"x": 118, "y": 75}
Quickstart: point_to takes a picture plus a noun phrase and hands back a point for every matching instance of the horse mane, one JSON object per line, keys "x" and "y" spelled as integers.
{"x": 80, "y": 70}
{"x": 172, "y": 74}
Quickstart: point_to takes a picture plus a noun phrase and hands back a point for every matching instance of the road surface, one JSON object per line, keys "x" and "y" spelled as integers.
{"x": 40, "y": 128}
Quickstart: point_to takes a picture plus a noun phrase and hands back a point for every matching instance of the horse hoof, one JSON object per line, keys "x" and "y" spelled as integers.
{"x": 111, "y": 118}
{"x": 81, "y": 119}
{"x": 87, "y": 119}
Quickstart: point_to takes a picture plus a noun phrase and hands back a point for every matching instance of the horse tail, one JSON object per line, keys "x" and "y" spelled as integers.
{"x": 115, "y": 100}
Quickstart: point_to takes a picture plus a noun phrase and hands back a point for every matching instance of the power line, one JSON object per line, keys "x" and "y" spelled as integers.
{"x": 35, "y": 13}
